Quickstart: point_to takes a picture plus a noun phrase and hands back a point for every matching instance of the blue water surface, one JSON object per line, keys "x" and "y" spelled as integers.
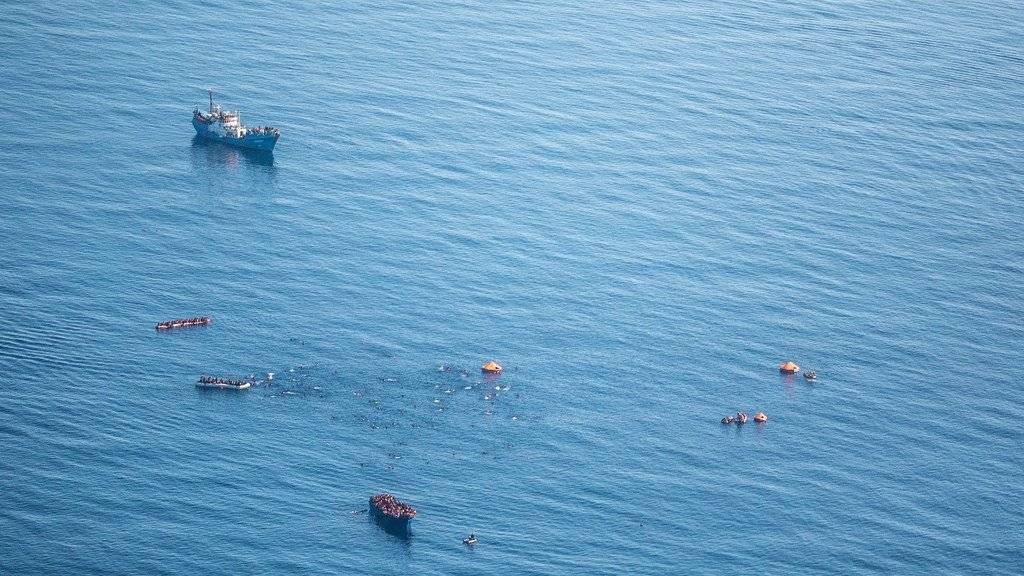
{"x": 638, "y": 208}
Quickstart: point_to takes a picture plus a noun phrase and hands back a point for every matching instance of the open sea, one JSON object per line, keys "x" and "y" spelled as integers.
{"x": 639, "y": 208}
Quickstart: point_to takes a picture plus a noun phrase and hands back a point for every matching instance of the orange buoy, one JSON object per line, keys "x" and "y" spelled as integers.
{"x": 491, "y": 367}
{"x": 760, "y": 417}
{"x": 788, "y": 368}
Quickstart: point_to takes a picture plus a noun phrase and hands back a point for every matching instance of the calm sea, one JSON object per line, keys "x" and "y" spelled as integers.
{"x": 638, "y": 208}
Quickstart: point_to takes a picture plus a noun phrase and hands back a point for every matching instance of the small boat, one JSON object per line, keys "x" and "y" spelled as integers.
{"x": 183, "y": 323}
{"x": 491, "y": 367}
{"x": 760, "y": 417}
{"x": 392, "y": 514}
{"x": 811, "y": 375}
{"x": 470, "y": 541}
{"x": 222, "y": 383}
{"x": 789, "y": 368}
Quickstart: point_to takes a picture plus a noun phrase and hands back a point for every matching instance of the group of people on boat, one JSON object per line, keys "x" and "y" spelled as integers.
{"x": 269, "y": 130}
{"x": 221, "y": 381}
{"x": 741, "y": 418}
{"x": 387, "y": 504}
{"x": 181, "y": 322}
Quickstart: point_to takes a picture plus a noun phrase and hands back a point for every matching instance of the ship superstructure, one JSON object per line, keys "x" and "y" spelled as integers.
{"x": 224, "y": 126}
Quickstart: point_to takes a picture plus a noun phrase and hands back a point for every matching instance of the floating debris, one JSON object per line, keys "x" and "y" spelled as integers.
{"x": 789, "y": 368}
{"x": 811, "y": 375}
{"x": 741, "y": 417}
{"x": 184, "y": 323}
{"x": 469, "y": 540}
{"x": 760, "y": 417}
{"x": 727, "y": 419}
{"x": 491, "y": 367}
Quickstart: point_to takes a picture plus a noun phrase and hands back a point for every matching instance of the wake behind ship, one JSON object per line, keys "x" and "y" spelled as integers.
{"x": 223, "y": 126}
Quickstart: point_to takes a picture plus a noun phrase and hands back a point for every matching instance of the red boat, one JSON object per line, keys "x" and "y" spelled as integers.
{"x": 391, "y": 513}
{"x": 183, "y": 323}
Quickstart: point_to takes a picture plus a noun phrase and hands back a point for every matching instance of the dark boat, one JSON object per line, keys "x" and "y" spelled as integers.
{"x": 214, "y": 382}
{"x": 183, "y": 323}
{"x": 392, "y": 514}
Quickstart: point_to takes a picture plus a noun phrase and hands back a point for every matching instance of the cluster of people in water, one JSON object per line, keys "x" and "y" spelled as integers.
{"x": 183, "y": 322}
{"x": 387, "y": 504}
{"x": 222, "y": 381}
{"x": 741, "y": 418}
{"x": 760, "y": 417}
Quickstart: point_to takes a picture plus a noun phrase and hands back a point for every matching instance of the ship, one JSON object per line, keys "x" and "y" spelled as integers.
{"x": 222, "y": 126}
{"x": 392, "y": 514}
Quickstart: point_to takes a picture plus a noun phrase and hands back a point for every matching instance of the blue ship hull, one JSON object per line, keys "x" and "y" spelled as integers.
{"x": 264, "y": 142}
{"x": 390, "y": 524}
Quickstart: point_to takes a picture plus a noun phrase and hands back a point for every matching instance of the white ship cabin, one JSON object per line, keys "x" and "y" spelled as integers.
{"x": 232, "y": 124}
